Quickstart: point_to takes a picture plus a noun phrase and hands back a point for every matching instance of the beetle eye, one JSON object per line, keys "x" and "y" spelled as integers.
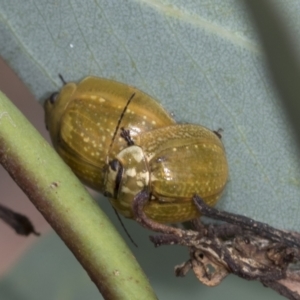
{"x": 114, "y": 164}
{"x": 119, "y": 178}
{"x": 53, "y": 97}
{"x": 117, "y": 167}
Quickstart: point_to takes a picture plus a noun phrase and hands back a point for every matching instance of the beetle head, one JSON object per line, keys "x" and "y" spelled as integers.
{"x": 127, "y": 174}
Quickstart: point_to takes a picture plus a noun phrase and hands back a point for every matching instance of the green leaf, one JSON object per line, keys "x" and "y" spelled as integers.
{"x": 201, "y": 59}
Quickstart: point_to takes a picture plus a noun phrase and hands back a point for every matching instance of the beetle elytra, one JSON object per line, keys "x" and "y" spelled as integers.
{"x": 84, "y": 116}
{"x": 172, "y": 164}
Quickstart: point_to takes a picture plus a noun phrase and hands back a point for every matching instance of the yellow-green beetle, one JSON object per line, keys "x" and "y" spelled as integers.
{"x": 172, "y": 164}
{"x": 83, "y": 117}
{"x": 171, "y": 161}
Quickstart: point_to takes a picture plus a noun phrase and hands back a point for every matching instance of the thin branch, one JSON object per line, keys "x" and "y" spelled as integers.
{"x": 69, "y": 209}
{"x": 244, "y": 247}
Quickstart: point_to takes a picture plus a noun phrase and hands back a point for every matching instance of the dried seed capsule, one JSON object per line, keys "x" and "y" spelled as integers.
{"x": 173, "y": 164}
{"x": 83, "y": 117}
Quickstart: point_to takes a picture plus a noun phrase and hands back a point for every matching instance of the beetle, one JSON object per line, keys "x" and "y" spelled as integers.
{"x": 168, "y": 165}
{"x": 165, "y": 161}
{"x": 82, "y": 119}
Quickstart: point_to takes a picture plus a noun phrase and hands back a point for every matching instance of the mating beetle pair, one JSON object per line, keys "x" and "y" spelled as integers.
{"x": 170, "y": 161}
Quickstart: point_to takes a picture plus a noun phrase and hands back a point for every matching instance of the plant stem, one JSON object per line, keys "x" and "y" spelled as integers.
{"x": 70, "y": 210}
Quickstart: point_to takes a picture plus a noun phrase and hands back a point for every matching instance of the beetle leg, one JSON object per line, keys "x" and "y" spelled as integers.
{"x": 125, "y": 134}
{"x": 218, "y": 133}
{"x": 139, "y": 215}
{"x": 262, "y": 229}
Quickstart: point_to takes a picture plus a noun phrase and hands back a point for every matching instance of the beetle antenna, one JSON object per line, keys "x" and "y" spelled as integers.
{"x": 119, "y": 122}
{"x": 127, "y": 233}
{"x": 218, "y": 133}
{"x": 62, "y": 79}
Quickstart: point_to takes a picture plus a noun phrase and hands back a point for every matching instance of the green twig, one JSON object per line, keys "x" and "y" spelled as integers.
{"x": 70, "y": 210}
